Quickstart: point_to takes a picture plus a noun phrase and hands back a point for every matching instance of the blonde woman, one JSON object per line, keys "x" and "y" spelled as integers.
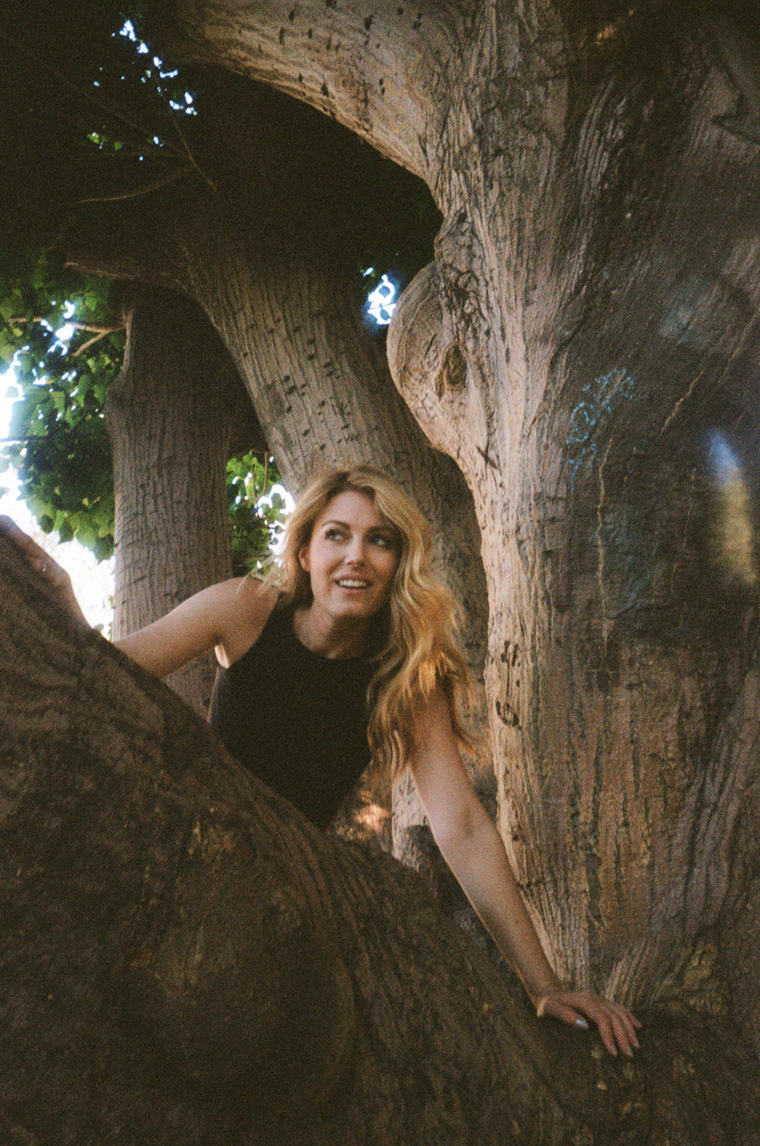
{"x": 343, "y": 656}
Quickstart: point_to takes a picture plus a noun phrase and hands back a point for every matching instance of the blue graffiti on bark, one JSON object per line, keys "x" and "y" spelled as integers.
{"x": 597, "y": 403}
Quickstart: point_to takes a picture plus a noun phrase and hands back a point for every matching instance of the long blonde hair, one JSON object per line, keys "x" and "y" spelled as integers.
{"x": 413, "y": 637}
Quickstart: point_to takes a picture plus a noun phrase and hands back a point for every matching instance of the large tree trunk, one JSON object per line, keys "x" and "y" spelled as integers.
{"x": 185, "y": 959}
{"x": 175, "y": 414}
{"x": 588, "y": 323}
{"x": 622, "y": 670}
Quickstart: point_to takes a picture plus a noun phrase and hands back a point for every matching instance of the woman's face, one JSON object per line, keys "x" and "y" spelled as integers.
{"x": 351, "y": 559}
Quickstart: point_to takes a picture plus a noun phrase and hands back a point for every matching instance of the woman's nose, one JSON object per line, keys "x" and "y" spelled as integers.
{"x": 355, "y": 552}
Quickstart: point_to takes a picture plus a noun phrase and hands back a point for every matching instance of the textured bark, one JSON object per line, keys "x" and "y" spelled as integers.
{"x": 622, "y": 668}
{"x": 587, "y": 325}
{"x": 175, "y": 414}
{"x": 367, "y": 65}
{"x": 585, "y": 347}
{"x": 185, "y": 959}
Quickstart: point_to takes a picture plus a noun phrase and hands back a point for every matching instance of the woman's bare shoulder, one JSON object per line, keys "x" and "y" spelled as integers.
{"x": 245, "y": 607}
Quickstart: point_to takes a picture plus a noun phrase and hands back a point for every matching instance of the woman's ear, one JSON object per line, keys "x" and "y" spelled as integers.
{"x": 303, "y": 558}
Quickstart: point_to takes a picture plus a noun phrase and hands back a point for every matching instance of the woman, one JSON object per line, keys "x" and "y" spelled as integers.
{"x": 347, "y": 652}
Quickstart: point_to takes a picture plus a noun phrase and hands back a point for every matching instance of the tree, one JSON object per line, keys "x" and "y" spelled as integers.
{"x": 587, "y": 321}
{"x": 175, "y": 414}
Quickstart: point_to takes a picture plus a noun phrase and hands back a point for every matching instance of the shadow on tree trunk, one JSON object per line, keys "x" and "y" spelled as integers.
{"x": 185, "y": 959}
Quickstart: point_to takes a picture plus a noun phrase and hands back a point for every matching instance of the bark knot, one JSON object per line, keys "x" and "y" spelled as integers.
{"x": 453, "y": 372}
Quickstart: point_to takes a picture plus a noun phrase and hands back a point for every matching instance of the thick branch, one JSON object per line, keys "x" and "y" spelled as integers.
{"x": 377, "y": 68}
{"x": 180, "y": 934}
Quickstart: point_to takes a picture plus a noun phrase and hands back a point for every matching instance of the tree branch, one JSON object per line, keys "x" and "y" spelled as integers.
{"x": 376, "y": 72}
{"x": 171, "y": 909}
{"x": 98, "y": 100}
{"x": 91, "y": 341}
{"x": 90, "y": 327}
{"x": 155, "y": 186}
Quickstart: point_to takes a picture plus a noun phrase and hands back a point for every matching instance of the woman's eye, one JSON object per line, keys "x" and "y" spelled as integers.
{"x": 382, "y": 541}
{"x": 334, "y": 534}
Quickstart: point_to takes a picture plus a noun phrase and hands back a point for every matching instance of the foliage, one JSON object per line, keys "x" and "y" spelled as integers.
{"x": 256, "y": 511}
{"x": 121, "y": 110}
{"x": 115, "y": 115}
{"x": 66, "y": 347}
{"x": 58, "y": 440}
{"x": 89, "y": 109}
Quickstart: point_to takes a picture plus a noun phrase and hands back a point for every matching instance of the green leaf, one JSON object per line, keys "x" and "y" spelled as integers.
{"x": 22, "y": 413}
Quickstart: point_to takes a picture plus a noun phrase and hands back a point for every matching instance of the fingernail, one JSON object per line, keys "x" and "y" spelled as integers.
{"x": 582, "y": 1024}
{"x": 636, "y": 1043}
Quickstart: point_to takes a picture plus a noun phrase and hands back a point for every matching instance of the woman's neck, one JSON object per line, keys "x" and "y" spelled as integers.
{"x": 336, "y": 638}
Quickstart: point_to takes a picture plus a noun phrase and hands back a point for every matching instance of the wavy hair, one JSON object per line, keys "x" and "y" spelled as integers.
{"x": 413, "y": 638}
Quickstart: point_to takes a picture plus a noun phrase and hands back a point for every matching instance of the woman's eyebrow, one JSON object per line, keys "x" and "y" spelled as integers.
{"x": 372, "y": 529}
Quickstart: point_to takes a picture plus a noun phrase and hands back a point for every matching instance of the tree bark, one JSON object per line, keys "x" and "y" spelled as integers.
{"x": 175, "y": 415}
{"x": 584, "y": 345}
{"x": 186, "y": 959}
{"x": 369, "y": 67}
{"x": 622, "y": 660}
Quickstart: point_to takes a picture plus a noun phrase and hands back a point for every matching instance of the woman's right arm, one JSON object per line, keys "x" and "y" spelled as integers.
{"x": 228, "y": 616}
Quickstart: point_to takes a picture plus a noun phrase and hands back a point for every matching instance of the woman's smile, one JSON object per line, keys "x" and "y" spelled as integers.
{"x": 352, "y": 583}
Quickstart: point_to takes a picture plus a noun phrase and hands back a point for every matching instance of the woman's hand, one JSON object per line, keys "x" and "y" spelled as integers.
{"x": 617, "y": 1026}
{"x": 54, "y": 576}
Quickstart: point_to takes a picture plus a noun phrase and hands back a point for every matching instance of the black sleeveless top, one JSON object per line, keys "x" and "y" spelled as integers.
{"x": 296, "y": 719}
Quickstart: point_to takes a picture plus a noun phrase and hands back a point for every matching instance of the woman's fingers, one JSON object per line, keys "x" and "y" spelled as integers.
{"x": 611, "y": 1022}
{"x": 616, "y": 1025}
{"x": 623, "y": 1037}
{"x": 629, "y": 1021}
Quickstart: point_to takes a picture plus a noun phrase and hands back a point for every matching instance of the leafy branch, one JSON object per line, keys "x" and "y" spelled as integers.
{"x": 58, "y": 443}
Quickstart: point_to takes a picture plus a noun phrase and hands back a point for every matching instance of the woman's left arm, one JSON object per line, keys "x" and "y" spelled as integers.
{"x": 474, "y": 851}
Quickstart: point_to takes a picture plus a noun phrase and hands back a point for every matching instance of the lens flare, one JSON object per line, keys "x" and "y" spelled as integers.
{"x": 380, "y": 303}
{"x": 734, "y": 528}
